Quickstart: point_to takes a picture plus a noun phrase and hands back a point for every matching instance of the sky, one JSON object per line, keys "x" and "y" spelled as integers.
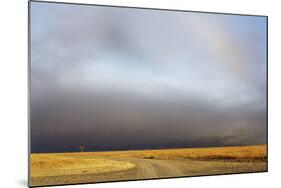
{"x": 123, "y": 78}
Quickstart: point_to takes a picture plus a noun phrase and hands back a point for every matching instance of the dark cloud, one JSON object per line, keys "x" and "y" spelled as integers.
{"x": 114, "y": 79}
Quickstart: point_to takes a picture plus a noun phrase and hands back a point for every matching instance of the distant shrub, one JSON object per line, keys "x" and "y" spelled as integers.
{"x": 149, "y": 157}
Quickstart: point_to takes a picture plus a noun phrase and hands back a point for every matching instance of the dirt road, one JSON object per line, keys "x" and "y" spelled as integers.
{"x": 156, "y": 168}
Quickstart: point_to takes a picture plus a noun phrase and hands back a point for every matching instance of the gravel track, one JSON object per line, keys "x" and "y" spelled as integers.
{"x": 155, "y": 168}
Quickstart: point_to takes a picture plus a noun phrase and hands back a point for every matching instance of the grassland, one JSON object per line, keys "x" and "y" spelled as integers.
{"x": 86, "y": 167}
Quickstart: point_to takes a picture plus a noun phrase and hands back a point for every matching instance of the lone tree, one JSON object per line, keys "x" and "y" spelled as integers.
{"x": 82, "y": 148}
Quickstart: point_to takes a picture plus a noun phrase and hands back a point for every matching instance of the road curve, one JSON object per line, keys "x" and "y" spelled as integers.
{"x": 155, "y": 168}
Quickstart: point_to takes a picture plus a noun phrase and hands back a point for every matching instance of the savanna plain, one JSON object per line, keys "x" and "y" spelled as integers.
{"x": 92, "y": 167}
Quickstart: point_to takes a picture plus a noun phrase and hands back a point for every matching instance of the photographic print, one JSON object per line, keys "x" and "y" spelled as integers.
{"x": 123, "y": 93}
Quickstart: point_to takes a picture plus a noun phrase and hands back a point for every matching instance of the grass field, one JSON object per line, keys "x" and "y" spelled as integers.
{"x": 86, "y": 167}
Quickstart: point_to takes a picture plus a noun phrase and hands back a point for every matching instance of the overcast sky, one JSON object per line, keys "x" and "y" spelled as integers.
{"x": 124, "y": 78}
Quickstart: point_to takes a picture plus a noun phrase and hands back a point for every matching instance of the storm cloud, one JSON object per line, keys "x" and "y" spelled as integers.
{"x": 123, "y": 78}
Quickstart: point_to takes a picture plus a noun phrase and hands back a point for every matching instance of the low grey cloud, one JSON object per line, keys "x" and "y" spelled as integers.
{"x": 120, "y": 78}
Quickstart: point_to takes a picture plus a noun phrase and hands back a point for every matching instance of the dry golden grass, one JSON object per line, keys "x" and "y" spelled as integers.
{"x": 83, "y": 167}
{"x": 236, "y": 152}
{"x": 61, "y": 164}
